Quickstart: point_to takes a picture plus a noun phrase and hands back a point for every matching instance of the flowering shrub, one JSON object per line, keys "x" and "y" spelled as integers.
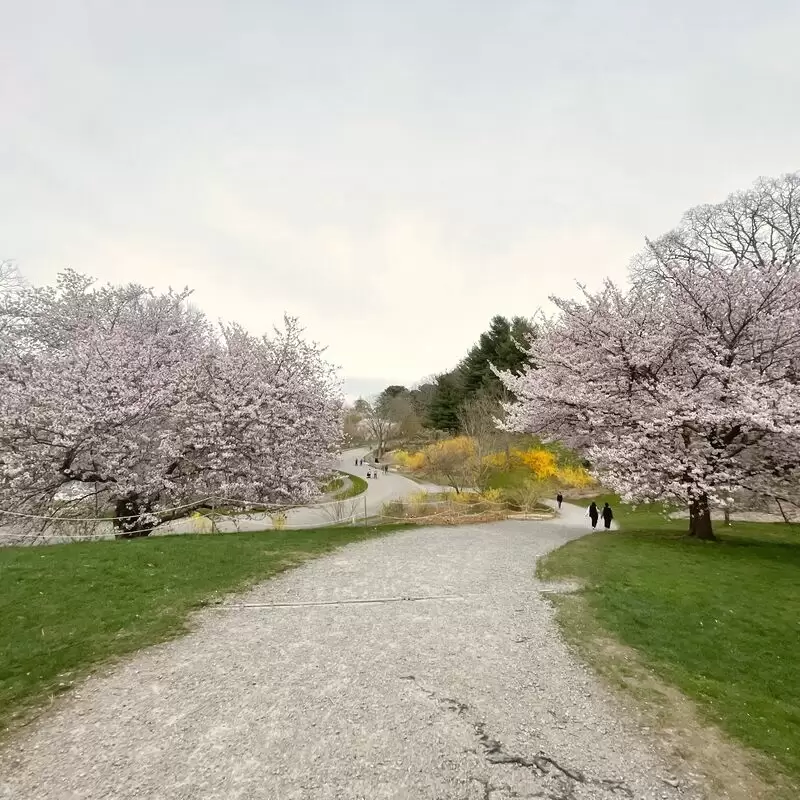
{"x": 542, "y": 463}
{"x": 278, "y": 519}
{"x": 410, "y": 461}
{"x": 455, "y": 460}
{"x": 574, "y": 477}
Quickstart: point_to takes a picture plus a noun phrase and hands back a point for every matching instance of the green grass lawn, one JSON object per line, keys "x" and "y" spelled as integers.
{"x": 721, "y": 621}
{"x": 67, "y": 608}
{"x": 332, "y": 485}
{"x": 357, "y": 486}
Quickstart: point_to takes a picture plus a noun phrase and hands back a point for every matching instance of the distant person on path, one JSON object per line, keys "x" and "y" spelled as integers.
{"x": 369, "y": 474}
{"x": 385, "y": 469}
{"x": 593, "y": 515}
{"x": 559, "y": 500}
{"x": 608, "y": 515}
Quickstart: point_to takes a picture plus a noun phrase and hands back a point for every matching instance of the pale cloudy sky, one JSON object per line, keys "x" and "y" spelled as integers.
{"x": 393, "y": 173}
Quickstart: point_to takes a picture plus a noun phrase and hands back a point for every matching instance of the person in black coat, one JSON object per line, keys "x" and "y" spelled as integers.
{"x": 559, "y": 500}
{"x": 607, "y": 515}
{"x": 593, "y": 515}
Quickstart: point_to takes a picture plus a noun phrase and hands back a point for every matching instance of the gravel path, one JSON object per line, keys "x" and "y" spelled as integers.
{"x": 305, "y": 691}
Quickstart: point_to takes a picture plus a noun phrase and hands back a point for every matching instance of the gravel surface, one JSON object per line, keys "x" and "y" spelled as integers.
{"x": 300, "y": 689}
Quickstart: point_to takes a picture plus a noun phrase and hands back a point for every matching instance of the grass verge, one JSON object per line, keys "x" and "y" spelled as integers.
{"x": 357, "y": 486}
{"x": 720, "y": 621}
{"x": 332, "y": 485}
{"x": 66, "y": 609}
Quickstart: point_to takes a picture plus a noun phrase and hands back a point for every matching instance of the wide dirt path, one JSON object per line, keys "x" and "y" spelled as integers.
{"x": 324, "y": 683}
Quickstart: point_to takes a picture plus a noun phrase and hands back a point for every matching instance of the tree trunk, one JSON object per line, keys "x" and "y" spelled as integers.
{"x": 783, "y": 513}
{"x": 700, "y": 519}
{"x": 130, "y": 523}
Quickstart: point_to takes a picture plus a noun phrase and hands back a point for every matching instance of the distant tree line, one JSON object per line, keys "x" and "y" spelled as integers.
{"x": 457, "y": 401}
{"x": 442, "y": 402}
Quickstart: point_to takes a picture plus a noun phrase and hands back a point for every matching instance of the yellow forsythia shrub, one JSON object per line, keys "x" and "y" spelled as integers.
{"x": 493, "y": 495}
{"x": 576, "y": 477}
{"x": 279, "y": 519}
{"x": 411, "y": 461}
{"x": 496, "y": 460}
{"x": 416, "y": 461}
{"x": 400, "y": 457}
{"x": 542, "y": 463}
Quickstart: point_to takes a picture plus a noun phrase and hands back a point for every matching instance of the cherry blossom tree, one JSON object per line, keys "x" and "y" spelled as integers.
{"x": 684, "y": 387}
{"x": 10, "y": 279}
{"x": 11, "y": 284}
{"x": 134, "y": 397}
{"x": 379, "y": 423}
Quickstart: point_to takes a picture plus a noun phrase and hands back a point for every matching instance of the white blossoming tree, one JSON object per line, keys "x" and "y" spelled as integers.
{"x": 684, "y": 387}
{"x": 133, "y": 397}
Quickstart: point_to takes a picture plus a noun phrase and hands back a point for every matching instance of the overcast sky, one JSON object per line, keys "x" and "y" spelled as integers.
{"x": 393, "y": 173}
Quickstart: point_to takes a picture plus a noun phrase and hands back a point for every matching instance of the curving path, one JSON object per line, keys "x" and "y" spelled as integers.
{"x": 423, "y": 665}
{"x": 576, "y": 516}
{"x": 379, "y": 491}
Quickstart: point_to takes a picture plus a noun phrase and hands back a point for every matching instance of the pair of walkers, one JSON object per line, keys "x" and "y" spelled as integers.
{"x": 594, "y": 513}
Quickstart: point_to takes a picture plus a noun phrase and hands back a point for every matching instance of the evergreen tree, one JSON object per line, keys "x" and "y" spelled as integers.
{"x": 445, "y": 402}
{"x": 390, "y": 393}
{"x": 438, "y": 402}
{"x": 499, "y": 347}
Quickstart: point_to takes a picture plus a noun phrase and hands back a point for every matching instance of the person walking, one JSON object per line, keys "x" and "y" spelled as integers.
{"x": 607, "y": 515}
{"x": 559, "y": 500}
{"x": 369, "y": 474}
{"x": 593, "y": 515}
{"x": 385, "y": 469}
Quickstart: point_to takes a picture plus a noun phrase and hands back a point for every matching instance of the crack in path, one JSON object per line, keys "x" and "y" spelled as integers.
{"x": 370, "y": 601}
{"x": 356, "y": 601}
{"x": 495, "y": 752}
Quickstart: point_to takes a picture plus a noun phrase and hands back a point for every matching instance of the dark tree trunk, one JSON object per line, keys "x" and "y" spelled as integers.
{"x": 783, "y": 513}
{"x": 700, "y": 519}
{"x": 131, "y": 522}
